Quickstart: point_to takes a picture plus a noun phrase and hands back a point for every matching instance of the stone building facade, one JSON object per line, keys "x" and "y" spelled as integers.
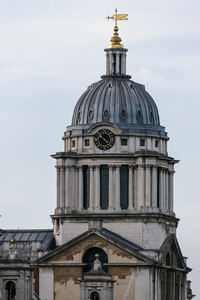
{"x": 114, "y": 226}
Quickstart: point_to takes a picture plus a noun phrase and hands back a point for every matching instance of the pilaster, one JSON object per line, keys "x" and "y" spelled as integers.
{"x": 117, "y": 187}
{"x": 148, "y": 186}
{"x": 154, "y": 186}
{"x": 111, "y": 188}
{"x": 130, "y": 187}
{"x": 80, "y": 187}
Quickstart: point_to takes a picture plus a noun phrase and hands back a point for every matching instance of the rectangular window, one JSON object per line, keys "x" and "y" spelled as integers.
{"x": 104, "y": 186}
{"x": 86, "y": 187}
{"x": 142, "y": 142}
{"x": 73, "y": 144}
{"x": 124, "y": 142}
{"x": 156, "y": 144}
{"x": 124, "y": 187}
{"x": 87, "y": 142}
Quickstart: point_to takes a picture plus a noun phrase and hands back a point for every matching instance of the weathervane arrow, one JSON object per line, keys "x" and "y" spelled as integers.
{"x": 118, "y": 17}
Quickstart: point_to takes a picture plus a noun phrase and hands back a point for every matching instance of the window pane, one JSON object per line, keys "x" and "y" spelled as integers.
{"x": 142, "y": 142}
{"x": 124, "y": 142}
{"x": 87, "y": 142}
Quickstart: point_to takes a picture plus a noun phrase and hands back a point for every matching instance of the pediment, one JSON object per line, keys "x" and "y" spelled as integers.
{"x": 171, "y": 254}
{"x": 72, "y": 252}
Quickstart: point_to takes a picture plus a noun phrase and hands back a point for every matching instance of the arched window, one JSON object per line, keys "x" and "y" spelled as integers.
{"x": 10, "y": 290}
{"x": 89, "y": 258}
{"x": 94, "y": 296}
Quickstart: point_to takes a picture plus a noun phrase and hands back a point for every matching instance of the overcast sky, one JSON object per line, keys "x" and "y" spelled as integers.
{"x": 50, "y": 51}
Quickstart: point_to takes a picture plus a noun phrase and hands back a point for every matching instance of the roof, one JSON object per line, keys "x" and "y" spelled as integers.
{"x": 106, "y": 234}
{"x": 121, "y": 101}
{"x": 170, "y": 241}
{"x": 119, "y": 239}
{"x": 45, "y": 236}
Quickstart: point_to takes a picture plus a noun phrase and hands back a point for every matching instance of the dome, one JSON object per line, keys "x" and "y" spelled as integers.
{"x": 121, "y": 101}
{"x": 116, "y": 99}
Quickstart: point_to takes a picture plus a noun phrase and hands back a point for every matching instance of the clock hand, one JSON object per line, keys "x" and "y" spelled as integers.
{"x": 103, "y": 138}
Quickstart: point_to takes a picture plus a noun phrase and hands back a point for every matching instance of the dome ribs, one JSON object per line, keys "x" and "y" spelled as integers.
{"x": 120, "y": 101}
{"x": 92, "y": 97}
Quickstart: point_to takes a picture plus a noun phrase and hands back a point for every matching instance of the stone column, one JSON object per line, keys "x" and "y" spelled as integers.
{"x": 140, "y": 196}
{"x": 171, "y": 191}
{"x": 62, "y": 187}
{"x": 117, "y": 186}
{"x": 111, "y": 63}
{"x": 154, "y": 186}
{"x": 148, "y": 186}
{"x": 97, "y": 188}
{"x": 166, "y": 189}
{"x": 80, "y": 188}
{"x": 67, "y": 187}
{"x": 111, "y": 186}
{"x": 117, "y": 63}
{"x": 91, "y": 204}
{"x": 58, "y": 186}
{"x": 163, "y": 193}
{"x": 107, "y": 63}
{"x": 130, "y": 187}
{"x": 123, "y": 63}
{"x": 161, "y": 188}
{"x": 135, "y": 186}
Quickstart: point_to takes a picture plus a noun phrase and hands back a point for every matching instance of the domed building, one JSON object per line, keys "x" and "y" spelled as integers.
{"x": 114, "y": 226}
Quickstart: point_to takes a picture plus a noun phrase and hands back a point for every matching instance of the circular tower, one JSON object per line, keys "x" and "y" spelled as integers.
{"x": 115, "y": 172}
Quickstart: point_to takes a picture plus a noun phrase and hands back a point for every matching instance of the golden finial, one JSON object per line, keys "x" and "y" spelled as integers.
{"x": 115, "y": 40}
{"x": 13, "y": 241}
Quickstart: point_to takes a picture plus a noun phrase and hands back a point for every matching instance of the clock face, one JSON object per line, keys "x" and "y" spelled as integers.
{"x": 104, "y": 139}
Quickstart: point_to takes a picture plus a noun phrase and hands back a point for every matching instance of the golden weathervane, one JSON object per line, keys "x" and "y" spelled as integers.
{"x": 115, "y": 40}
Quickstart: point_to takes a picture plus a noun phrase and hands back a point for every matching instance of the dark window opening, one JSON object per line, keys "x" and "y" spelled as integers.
{"x": 168, "y": 261}
{"x": 89, "y": 258}
{"x": 10, "y": 290}
{"x": 142, "y": 142}
{"x": 124, "y": 187}
{"x": 158, "y": 187}
{"x": 104, "y": 186}
{"x": 86, "y": 187}
{"x": 94, "y": 296}
{"x": 73, "y": 144}
{"x": 124, "y": 142}
{"x": 87, "y": 142}
{"x": 156, "y": 144}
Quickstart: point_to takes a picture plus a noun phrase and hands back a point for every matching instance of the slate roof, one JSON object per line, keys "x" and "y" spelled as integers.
{"x": 45, "y": 236}
{"x": 118, "y": 100}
